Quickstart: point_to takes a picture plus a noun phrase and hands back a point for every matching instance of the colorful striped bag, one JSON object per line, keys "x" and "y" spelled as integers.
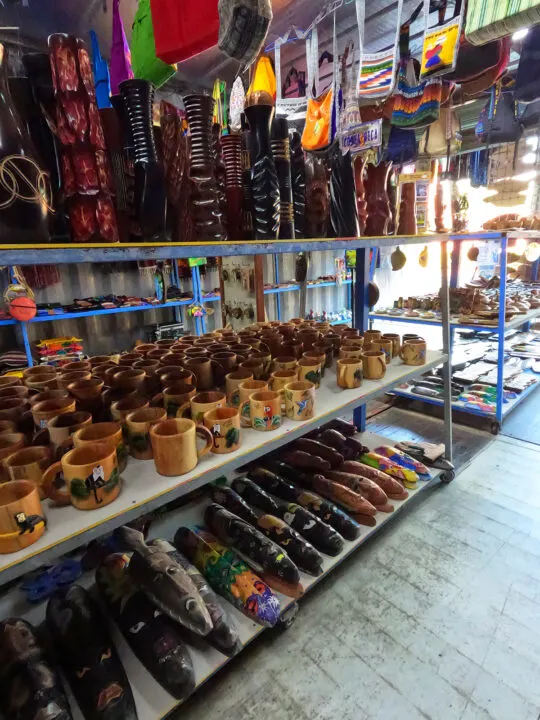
{"x": 377, "y": 71}
{"x": 491, "y": 19}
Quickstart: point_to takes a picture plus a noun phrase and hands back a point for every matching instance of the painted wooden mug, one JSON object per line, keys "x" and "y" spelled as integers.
{"x": 265, "y": 410}
{"x": 385, "y": 346}
{"x": 255, "y": 366}
{"x": 413, "y": 352}
{"x": 174, "y": 445}
{"x": 44, "y": 411}
{"x": 205, "y": 370}
{"x": 106, "y": 433}
{"x": 351, "y": 352}
{"x": 318, "y": 357}
{"x": 22, "y": 520}
{"x": 176, "y": 397}
{"x": 232, "y": 385}
{"x": 285, "y": 362}
{"x": 224, "y": 424}
{"x": 300, "y": 400}
{"x": 374, "y": 364}
{"x": 63, "y": 426}
{"x": 245, "y": 390}
{"x": 29, "y": 463}
{"x": 310, "y": 369}
{"x": 138, "y": 424}
{"x": 202, "y": 403}
{"x": 91, "y": 475}
{"x": 266, "y": 358}
{"x": 396, "y": 342}
{"x": 372, "y": 335}
{"x": 10, "y": 442}
{"x": 280, "y": 378}
{"x": 350, "y": 373}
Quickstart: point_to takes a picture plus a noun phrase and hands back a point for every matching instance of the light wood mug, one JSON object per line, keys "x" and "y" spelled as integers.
{"x": 91, "y": 476}
{"x": 396, "y": 342}
{"x": 413, "y": 352}
{"x": 374, "y": 364}
{"x": 350, "y": 373}
{"x": 103, "y": 433}
{"x": 310, "y": 369}
{"x": 138, "y": 424}
{"x": 245, "y": 390}
{"x": 224, "y": 424}
{"x": 22, "y": 520}
{"x": 265, "y": 410}
{"x": 174, "y": 445}
{"x": 300, "y": 400}
{"x": 202, "y": 403}
{"x": 232, "y": 384}
{"x": 29, "y": 463}
{"x": 385, "y": 346}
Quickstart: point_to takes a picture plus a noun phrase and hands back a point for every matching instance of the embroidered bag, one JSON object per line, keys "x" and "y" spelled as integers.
{"x": 527, "y": 87}
{"x": 441, "y": 43}
{"x": 402, "y": 146}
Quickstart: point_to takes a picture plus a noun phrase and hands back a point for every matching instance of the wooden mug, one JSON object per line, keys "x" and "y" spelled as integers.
{"x": 29, "y": 463}
{"x": 351, "y": 352}
{"x": 174, "y": 445}
{"x": 91, "y": 476}
{"x": 22, "y": 520}
{"x": 255, "y": 366}
{"x": 108, "y": 434}
{"x": 266, "y": 358}
{"x": 138, "y": 425}
{"x": 66, "y": 379}
{"x": 12, "y": 408}
{"x": 280, "y": 378}
{"x": 44, "y": 411}
{"x": 300, "y": 400}
{"x": 204, "y": 369}
{"x": 86, "y": 389}
{"x": 175, "y": 399}
{"x": 14, "y": 391}
{"x": 9, "y": 381}
{"x": 76, "y": 365}
{"x": 325, "y": 347}
{"x": 171, "y": 375}
{"x": 349, "y": 373}
{"x": 227, "y": 361}
{"x": 413, "y": 352}
{"x": 265, "y": 410}
{"x": 285, "y": 362}
{"x": 47, "y": 395}
{"x": 372, "y": 335}
{"x": 7, "y": 426}
{"x": 203, "y": 402}
{"x": 122, "y": 408}
{"x": 310, "y": 369}
{"x": 129, "y": 379}
{"x": 232, "y": 383}
{"x": 374, "y": 364}
{"x": 224, "y": 424}
{"x": 144, "y": 348}
{"x": 10, "y": 442}
{"x": 245, "y": 390}
{"x": 61, "y": 427}
{"x": 386, "y": 347}
{"x": 396, "y": 342}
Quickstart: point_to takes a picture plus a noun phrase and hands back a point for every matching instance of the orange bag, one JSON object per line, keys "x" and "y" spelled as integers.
{"x": 318, "y": 128}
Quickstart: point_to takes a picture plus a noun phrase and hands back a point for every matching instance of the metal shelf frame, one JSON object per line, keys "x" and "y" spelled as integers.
{"x": 497, "y": 331}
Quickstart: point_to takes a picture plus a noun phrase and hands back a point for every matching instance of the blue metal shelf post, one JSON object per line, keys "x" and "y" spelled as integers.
{"x": 361, "y": 315}
{"x": 500, "y": 328}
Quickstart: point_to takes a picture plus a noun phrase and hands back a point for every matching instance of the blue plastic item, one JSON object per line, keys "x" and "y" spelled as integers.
{"x": 102, "y": 79}
{"x": 43, "y": 584}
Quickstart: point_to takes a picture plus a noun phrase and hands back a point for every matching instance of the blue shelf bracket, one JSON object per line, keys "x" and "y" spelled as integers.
{"x": 361, "y": 315}
{"x": 276, "y": 282}
{"x": 26, "y": 342}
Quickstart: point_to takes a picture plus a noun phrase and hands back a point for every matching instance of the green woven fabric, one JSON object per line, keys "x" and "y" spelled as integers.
{"x": 145, "y": 64}
{"x": 491, "y": 19}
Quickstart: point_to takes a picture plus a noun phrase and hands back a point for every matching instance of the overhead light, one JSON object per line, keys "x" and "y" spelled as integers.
{"x": 520, "y": 34}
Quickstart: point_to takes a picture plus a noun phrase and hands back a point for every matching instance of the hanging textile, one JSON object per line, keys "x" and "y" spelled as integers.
{"x": 291, "y": 103}
{"x": 120, "y": 53}
{"x": 441, "y": 43}
{"x": 491, "y": 19}
{"x": 377, "y": 71}
{"x": 237, "y": 103}
{"x": 184, "y": 29}
{"x": 100, "y": 70}
{"x": 243, "y": 27}
{"x": 146, "y": 66}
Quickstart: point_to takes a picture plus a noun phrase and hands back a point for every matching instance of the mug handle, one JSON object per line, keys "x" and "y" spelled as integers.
{"x": 229, "y": 398}
{"x": 382, "y": 362}
{"x": 157, "y": 400}
{"x": 400, "y": 353}
{"x": 204, "y": 433}
{"x": 182, "y": 409}
{"x": 60, "y": 497}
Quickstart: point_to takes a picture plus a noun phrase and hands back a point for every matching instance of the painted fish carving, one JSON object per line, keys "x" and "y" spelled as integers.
{"x": 367, "y": 488}
{"x": 30, "y": 688}
{"x": 166, "y": 583}
{"x": 321, "y": 508}
{"x": 263, "y": 555}
{"x": 229, "y": 576}
{"x": 344, "y": 496}
{"x": 408, "y": 477}
{"x": 154, "y": 638}
{"x": 88, "y": 657}
{"x": 223, "y": 635}
{"x": 392, "y": 487}
{"x": 322, "y": 536}
{"x": 405, "y": 460}
{"x": 228, "y": 498}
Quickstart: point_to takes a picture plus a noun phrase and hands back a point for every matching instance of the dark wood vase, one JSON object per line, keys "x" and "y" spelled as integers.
{"x": 232, "y": 157}
{"x": 282, "y": 160}
{"x": 298, "y": 178}
{"x": 25, "y": 194}
{"x": 317, "y": 197}
{"x": 407, "y": 210}
{"x": 264, "y": 178}
{"x": 378, "y": 207}
{"x": 359, "y": 165}
{"x": 343, "y": 212}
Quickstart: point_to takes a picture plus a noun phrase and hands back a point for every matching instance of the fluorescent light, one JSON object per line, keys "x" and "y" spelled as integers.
{"x": 520, "y": 34}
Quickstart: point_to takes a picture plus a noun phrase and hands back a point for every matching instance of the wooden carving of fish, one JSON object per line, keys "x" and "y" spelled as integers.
{"x": 165, "y": 582}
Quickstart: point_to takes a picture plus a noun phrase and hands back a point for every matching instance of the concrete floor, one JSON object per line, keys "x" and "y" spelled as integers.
{"x": 437, "y": 617}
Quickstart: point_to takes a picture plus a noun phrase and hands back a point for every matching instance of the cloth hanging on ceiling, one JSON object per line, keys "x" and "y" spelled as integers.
{"x": 100, "y": 70}
{"x": 120, "y": 54}
{"x": 184, "y": 29}
{"x": 491, "y": 19}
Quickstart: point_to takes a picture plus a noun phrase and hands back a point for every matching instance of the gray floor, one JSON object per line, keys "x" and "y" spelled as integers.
{"x": 437, "y": 617}
{"x": 524, "y": 422}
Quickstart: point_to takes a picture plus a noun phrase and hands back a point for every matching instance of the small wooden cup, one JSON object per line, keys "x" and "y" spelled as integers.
{"x": 265, "y": 410}
{"x": 138, "y": 425}
{"x": 310, "y": 369}
{"x": 108, "y": 434}
{"x": 350, "y": 373}
{"x": 22, "y": 521}
{"x": 232, "y": 383}
{"x": 174, "y": 445}
{"x": 413, "y": 352}
{"x": 300, "y": 400}
{"x": 224, "y": 424}
{"x": 245, "y": 390}
{"x": 374, "y": 364}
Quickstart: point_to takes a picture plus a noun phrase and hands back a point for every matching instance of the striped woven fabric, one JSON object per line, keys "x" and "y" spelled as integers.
{"x": 418, "y": 106}
{"x": 490, "y": 19}
{"x": 377, "y": 75}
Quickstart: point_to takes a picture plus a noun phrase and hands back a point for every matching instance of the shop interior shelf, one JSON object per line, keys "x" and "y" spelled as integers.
{"x": 110, "y": 311}
{"x": 152, "y": 701}
{"x": 515, "y": 322}
{"x": 102, "y": 252}
{"x": 310, "y": 286}
{"x": 145, "y": 490}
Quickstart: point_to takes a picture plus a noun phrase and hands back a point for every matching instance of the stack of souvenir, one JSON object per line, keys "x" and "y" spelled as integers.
{"x": 59, "y": 351}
